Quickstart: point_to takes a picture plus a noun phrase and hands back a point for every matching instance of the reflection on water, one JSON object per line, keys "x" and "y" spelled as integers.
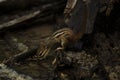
{"x": 7, "y": 73}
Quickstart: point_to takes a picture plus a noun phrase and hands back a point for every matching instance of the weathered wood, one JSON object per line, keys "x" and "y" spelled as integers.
{"x": 7, "y": 6}
{"x": 36, "y": 13}
{"x": 2, "y": 1}
{"x": 19, "y": 19}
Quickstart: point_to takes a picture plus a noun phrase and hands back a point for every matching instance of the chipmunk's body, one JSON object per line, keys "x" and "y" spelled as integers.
{"x": 61, "y": 38}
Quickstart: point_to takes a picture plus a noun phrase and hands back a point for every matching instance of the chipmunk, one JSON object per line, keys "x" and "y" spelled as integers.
{"x": 62, "y": 38}
{"x": 59, "y": 39}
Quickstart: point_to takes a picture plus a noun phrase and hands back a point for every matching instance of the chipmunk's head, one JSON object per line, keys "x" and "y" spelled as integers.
{"x": 43, "y": 50}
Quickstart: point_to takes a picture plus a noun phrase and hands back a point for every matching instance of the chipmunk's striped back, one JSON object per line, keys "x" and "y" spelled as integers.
{"x": 65, "y": 32}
